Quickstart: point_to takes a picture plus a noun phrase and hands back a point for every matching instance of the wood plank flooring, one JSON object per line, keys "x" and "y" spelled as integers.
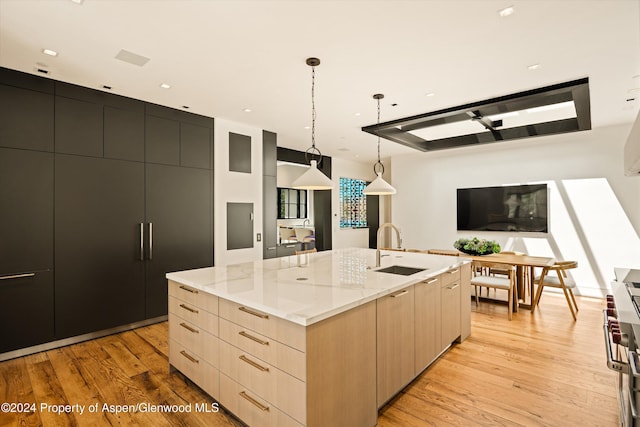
{"x": 540, "y": 369}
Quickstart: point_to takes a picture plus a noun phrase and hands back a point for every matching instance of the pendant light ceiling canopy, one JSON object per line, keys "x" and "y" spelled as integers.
{"x": 313, "y": 178}
{"x": 379, "y": 187}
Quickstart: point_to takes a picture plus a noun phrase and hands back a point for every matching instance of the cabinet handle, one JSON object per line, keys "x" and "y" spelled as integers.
{"x": 191, "y": 358}
{"x": 142, "y": 241}
{"x": 428, "y": 282}
{"x": 150, "y": 241}
{"x": 254, "y": 313}
{"x": 289, "y": 246}
{"x": 17, "y": 276}
{"x": 453, "y": 271}
{"x": 189, "y": 328}
{"x": 254, "y": 402}
{"x": 453, "y": 287}
{"x": 271, "y": 249}
{"x": 189, "y": 309}
{"x": 252, "y": 338}
{"x": 399, "y": 294}
{"x": 252, "y": 363}
{"x": 184, "y": 288}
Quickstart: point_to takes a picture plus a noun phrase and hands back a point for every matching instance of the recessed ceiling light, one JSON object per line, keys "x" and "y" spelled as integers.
{"x": 49, "y": 52}
{"x": 506, "y": 11}
{"x": 534, "y": 67}
{"x": 165, "y": 86}
{"x": 343, "y": 149}
{"x": 247, "y": 110}
{"x": 78, "y": 1}
{"x": 429, "y": 94}
{"x": 635, "y": 89}
{"x": 307, "y": 127}
{"x": 357, "y": 114}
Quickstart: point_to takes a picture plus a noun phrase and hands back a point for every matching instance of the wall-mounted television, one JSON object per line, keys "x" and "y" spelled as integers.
{"x": 520, "y": 208}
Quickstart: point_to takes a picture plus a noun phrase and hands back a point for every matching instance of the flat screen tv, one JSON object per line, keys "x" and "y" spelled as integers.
{"x": 509, "y": 208}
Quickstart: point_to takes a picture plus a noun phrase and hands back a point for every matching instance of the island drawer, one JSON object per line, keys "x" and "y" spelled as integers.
{"x": 450, "y": 276}
{"x": 281, "y": 330}
{"x": 250, "y": 408}
{"x": 205, "y": 375}
{"x": 191, "y": 295}
{"x": 273, "y": 352}
{"x": 196, "y": 340}
{"x": 268, "y": 382}
{"x": 194, "y": 314}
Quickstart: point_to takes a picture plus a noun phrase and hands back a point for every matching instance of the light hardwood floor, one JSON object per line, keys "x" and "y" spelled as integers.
{"x": 539, "y": 369}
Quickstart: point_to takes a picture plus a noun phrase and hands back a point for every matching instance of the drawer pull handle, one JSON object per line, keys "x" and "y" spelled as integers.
{"x": 193, "y": 291}
{"x": 254, "y": 313}
{"x": 17, "y": 276}
{"x": 191, "y": 358}
{"x": 428, "y": 282}
{"x": 252, "y": 363}
{"x": 453, "y": 271}
{"x": 453, "y": 287}
{"x": 252, "y": 338}
{"x": 189, "y": 308}
{"x": 254, "y": 402}
{"x": 189, "y": 328}
{"x": 399, "y": 294}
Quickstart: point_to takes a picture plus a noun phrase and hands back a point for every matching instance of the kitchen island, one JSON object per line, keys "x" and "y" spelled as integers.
{"x": 318, "y": 339}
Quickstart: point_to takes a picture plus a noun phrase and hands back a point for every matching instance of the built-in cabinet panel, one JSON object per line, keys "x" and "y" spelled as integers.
{"x": 26, "y": 310}
{"x": 239, "y": 225}
{"x": 79, "y": 127}
{"x": 124, "y": 133}
{"x": 450, "y": 299}
{"x": 162, "y": 141}
{"x": 26, "y": 118}
{"x": 26, "y": 216}
{"x": 239, "y": 153}
{"x": 99, "y": 273}
{"x": 178, "y": 206}
{"x": 195, "y": 146}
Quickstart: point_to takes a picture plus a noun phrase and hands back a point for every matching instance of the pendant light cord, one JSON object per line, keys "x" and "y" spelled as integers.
{"x": 313, "y": 153}
{"x": 378, "y": 97}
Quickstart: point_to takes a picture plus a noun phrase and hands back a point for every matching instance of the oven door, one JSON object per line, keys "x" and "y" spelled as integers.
{"x": 617, "y": 363}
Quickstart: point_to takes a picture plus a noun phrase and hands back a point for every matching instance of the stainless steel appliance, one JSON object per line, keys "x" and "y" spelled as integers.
{"x": 622, "y": 341}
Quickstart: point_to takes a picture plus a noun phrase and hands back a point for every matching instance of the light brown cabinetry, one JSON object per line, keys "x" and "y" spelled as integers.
{"x": 396, "y": 342}
{"x": 450, "y": 290}
{"x": 193, "y": 336}
{"x": 428, "y": 324}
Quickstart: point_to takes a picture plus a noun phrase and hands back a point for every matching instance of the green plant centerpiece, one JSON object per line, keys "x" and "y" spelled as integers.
{"x": 475, "y": 246}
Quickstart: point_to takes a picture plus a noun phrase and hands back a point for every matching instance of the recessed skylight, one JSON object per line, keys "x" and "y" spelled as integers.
{"x": 507, "y": 11}
{"x": 49, "y": 52}
{"x": 165, "y": 86}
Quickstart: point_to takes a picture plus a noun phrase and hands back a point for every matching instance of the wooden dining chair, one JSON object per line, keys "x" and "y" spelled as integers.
{"x": 306, "y": 251}
{"x": 559, "y": 280}
{"x": 527, "y": 279}
{"x": 482, "y": 277}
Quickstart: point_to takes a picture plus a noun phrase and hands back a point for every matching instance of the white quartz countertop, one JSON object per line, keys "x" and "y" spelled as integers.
{"x": 306, "y": 289}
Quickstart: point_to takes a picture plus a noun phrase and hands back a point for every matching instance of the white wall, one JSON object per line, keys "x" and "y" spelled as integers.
{"x": 236, "y": 187}
{"x": 594, "y": 209}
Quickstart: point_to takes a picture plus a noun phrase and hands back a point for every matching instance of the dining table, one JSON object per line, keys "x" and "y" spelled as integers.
{"x": 522, "y": 264}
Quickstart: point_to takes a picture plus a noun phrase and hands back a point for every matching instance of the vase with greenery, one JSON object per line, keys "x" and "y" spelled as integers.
{"x": 475, "y": 246}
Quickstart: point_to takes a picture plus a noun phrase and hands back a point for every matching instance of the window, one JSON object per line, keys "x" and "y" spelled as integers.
{"x": 292, "y": 203}
{"x": 353, "y": 204}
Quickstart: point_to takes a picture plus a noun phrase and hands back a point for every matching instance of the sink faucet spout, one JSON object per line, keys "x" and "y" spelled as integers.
{"x": 380, "y": 229}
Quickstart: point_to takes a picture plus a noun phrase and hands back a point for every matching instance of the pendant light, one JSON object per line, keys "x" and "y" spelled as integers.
{"x": 313, "y": 178}
{"x": 379, "y": 187}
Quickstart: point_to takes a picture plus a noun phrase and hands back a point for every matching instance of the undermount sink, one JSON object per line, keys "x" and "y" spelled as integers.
{"x": 399, "y": 269}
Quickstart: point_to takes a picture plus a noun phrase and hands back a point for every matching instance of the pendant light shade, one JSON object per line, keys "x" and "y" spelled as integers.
{"x": 379, "y": 187}
{"x": 313, "y": 178}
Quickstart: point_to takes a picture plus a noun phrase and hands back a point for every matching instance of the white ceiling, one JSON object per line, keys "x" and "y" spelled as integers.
{"x": 221, "y": 57}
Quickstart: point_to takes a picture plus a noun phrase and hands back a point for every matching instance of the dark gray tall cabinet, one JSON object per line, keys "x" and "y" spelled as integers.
{"x": 102, "y": 196}
{"x": 269, "y": 195}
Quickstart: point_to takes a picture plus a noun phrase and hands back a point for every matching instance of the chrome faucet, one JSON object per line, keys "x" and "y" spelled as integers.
{"x": 398, "y": 239}
{"x": 305, "y": 222}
